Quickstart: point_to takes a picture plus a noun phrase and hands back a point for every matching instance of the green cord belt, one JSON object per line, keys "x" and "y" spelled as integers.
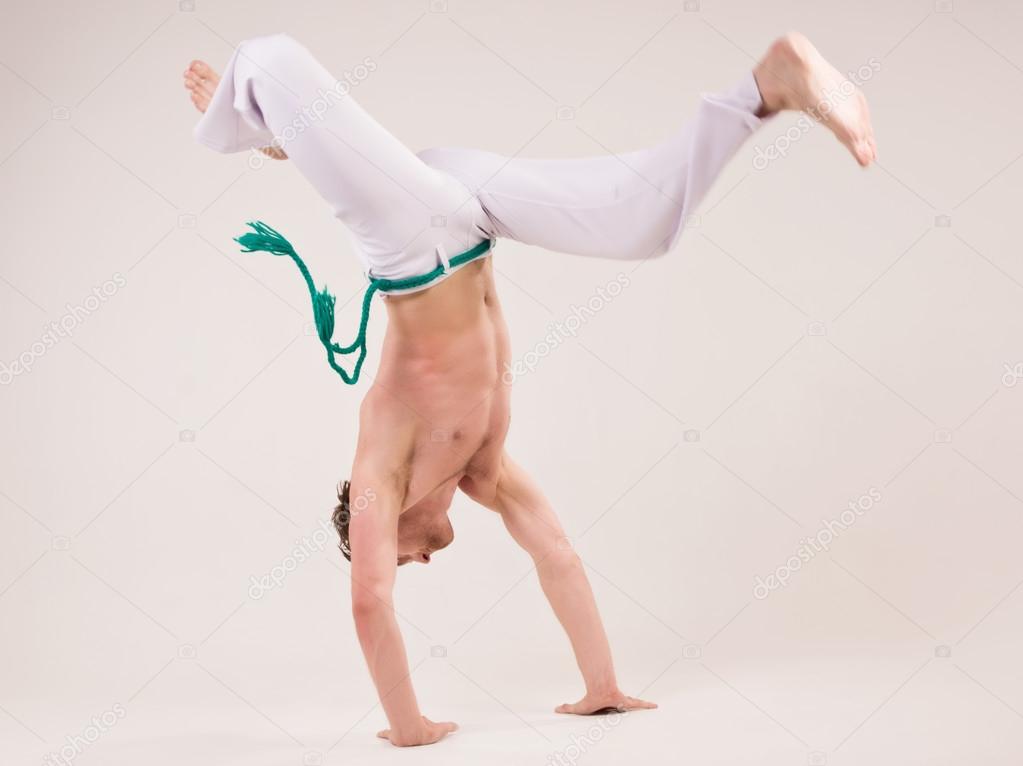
{"x": 264, "y": 239}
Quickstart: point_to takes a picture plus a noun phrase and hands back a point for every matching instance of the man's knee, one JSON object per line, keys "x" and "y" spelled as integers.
{"x": 272, "y": 50}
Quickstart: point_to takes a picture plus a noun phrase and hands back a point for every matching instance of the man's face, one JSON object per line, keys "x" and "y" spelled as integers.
{"x": 420, "y": 556}
{"x": 421, "y": 532}
{"x": 420, "y": 536}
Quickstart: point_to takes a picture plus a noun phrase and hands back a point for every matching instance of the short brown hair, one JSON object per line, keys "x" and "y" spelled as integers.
{"x": 341, "y": 518}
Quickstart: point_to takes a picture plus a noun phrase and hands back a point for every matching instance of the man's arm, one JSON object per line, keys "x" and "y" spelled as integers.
{"x": 534, "y": 526}
{"x": 373, "y": 535}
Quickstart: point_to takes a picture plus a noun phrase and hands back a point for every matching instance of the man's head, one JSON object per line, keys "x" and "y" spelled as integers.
{"x": 421, "y": 532}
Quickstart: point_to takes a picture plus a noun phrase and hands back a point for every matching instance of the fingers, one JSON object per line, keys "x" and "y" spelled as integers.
{"x": 582, "y": 708}
{"x": 441, "y": 730}
{"x": 446, "y": 726}
{"x": 617, "y": 706}
{"x": 587, "y": 708}
{"x": 591, "y": 710}
{"x": 384, "y": 734}
{"x": 632, "y": 703}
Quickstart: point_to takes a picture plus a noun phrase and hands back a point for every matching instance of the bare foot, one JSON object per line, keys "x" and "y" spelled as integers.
{"x": 201, "y": 82}
{"x": 794, "y": 75}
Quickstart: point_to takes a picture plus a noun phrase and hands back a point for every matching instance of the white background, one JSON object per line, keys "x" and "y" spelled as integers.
{"x": 820, "y": 331}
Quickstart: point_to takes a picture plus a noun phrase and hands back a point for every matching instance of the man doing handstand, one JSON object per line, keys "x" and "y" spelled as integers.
{"x": 435, "y": 419}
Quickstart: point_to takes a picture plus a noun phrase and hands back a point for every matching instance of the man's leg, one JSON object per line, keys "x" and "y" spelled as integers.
{"x": 629, "y": 206}
{"x": 273, "y": 92}
{"x": 635, "y": 205}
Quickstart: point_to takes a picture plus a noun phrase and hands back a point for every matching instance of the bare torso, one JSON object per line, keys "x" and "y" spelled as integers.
{"x": 438, "y": 407}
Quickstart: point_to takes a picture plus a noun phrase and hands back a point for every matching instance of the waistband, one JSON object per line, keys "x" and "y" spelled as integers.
{"x": 263, "y": 238}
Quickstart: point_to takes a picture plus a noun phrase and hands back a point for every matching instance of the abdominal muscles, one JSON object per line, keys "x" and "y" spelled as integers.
{"x": 442, "y": 361}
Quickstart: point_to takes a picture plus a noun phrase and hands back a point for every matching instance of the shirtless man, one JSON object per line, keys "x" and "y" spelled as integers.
{"x": 435, "y": 418}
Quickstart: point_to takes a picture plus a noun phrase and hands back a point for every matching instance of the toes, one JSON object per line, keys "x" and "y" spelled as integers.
{"x": 193, "y": 81}
{"x": 201, "y": 87}
{"x": 632, "y": 703}
{"x": 863, "y": 153}
{"x": 201, "y": 68}
{"x": 200, "y": 73}
{"x": 844, "y": 129}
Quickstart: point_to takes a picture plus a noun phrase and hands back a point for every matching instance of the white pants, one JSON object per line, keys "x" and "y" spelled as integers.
{"x": 409, "y": 213}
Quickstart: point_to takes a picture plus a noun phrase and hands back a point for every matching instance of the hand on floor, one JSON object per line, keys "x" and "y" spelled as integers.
{"x": 605, "y": 703}
{"x": 429, "y": 732}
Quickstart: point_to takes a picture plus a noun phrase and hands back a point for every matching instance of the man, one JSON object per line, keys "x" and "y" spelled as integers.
{"x": 435, "y": 419}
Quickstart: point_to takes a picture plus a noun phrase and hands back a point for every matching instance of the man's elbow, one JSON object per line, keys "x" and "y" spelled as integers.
{"x": 561, "y": 562}
{"x": 369, "y": 604}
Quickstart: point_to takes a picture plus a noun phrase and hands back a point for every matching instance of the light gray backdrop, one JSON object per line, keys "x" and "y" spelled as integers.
{"x": 822, "y": 335}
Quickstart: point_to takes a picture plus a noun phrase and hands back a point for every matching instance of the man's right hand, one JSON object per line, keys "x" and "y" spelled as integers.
{"x": 428, "y": 733}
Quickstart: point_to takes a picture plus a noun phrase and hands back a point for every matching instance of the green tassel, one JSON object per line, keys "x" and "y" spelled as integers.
{"x": 264, "y": 239}
{"x": 323, "y": 313}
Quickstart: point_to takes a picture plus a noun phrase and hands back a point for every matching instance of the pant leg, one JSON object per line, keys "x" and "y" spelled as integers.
{"x": 632, "y": 206}
{"x": 400, "y": 211}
